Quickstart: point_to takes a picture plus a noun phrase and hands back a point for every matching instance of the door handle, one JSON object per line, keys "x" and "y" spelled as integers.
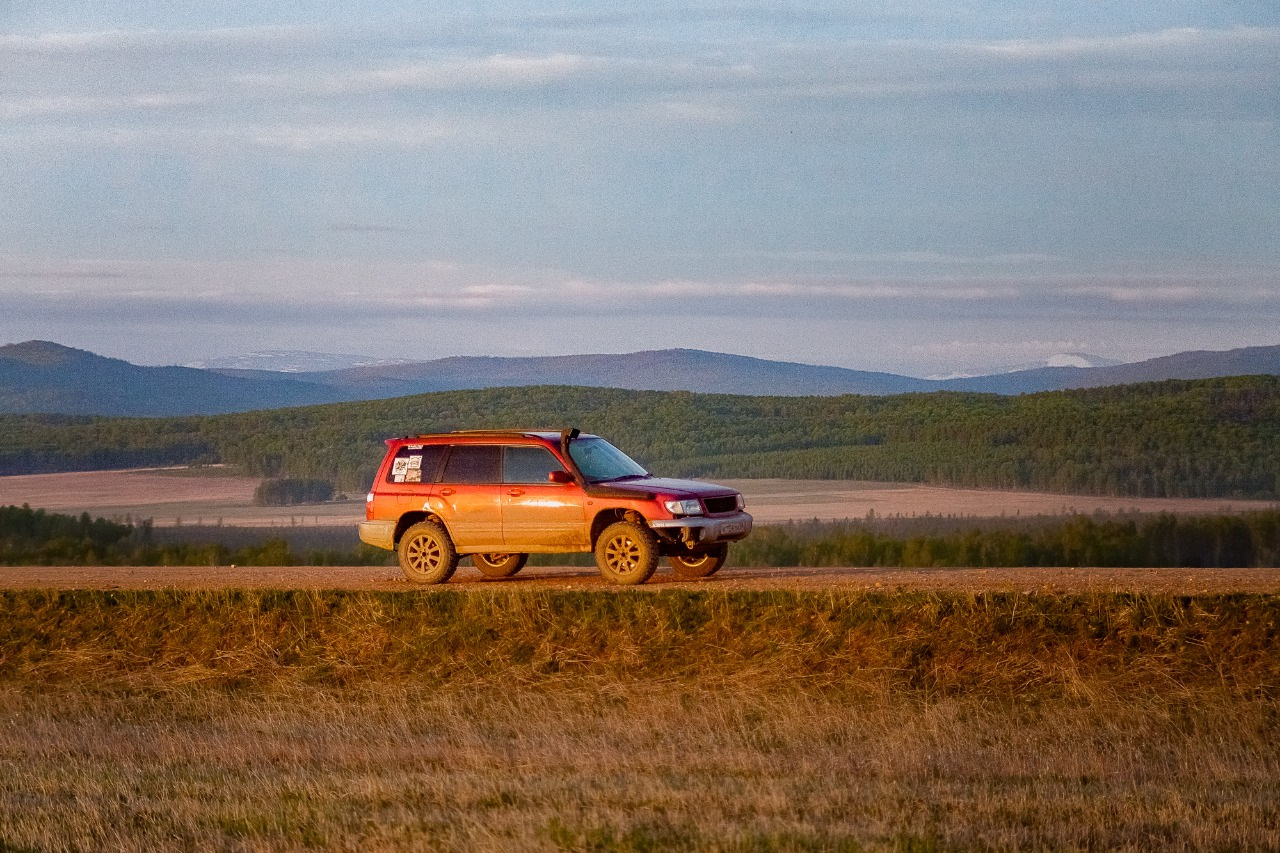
{"x": 446, "y": 492}
{"x": 515, "y": 493}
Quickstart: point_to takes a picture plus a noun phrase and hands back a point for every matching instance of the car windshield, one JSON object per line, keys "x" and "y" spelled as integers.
{"x": 598, "y": 460}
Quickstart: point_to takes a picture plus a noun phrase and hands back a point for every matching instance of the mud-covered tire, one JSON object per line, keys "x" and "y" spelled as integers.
{"x": 700, "y": 565}
{"x": 499, "y": 565}
{"x": 627, "y": 553}
{"x": 427, "y": 554}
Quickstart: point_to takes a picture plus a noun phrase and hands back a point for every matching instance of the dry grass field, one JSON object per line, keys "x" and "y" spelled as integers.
{"x": 631, "y": 768}
{"x": 205, "y": 496}
{"x": 495, "y": 719}
{"x": 217, "y": 496}
{"x": 305, "y": 708}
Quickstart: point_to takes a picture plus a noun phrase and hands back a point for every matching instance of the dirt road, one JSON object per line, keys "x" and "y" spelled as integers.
{"x": 1171, "y": 581}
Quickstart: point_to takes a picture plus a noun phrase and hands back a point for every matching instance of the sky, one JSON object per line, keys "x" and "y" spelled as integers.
{"x": 923, "y": 187}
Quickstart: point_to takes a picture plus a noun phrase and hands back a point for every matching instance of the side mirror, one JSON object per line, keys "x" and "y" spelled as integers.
{"x": 561, "y": 477}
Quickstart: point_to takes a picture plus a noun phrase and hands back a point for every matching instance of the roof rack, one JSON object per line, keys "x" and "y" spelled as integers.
{"x": 497, "y": 431}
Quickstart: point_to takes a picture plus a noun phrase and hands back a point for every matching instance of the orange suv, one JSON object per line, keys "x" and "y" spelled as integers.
{"x": 499, "y": 496}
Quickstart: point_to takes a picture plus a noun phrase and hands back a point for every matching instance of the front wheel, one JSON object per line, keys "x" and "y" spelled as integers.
{"x": 427, "y": 554}
{"x": 499, "y": 565}
{"x": 627, "y": 553}
{"x": 703, "y": 564}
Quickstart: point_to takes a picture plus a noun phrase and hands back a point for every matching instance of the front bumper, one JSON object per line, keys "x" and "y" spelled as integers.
{"x": 700, "y": 529}
{"x": 379, "y": 534}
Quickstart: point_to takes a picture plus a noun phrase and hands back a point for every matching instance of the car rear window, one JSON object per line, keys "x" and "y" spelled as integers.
{"x": 474, "y": 463}
{"x": 416, "y": 463}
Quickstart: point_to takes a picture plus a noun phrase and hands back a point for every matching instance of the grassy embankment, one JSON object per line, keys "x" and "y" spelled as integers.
{"x": 699, "y": 720}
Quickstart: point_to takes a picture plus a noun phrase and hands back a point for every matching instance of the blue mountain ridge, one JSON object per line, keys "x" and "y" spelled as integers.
{"x": 48, "y": 378}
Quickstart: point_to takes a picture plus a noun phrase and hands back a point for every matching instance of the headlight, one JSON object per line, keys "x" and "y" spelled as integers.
{"x": 742, "y": 503}
{"x": 689, "y": 506}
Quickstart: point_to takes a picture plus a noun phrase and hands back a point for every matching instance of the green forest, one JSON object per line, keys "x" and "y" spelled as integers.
{"x": 1235, "y": 541}
{"x": 36, "y": 537}
{"x": 1202, "y": 438}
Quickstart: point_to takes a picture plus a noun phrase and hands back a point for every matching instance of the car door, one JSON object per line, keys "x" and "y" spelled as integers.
{"x": 468, "y": 497}
{"x": 538, "y": 515}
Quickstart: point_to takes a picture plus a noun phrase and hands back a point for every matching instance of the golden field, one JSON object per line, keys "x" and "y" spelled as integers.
{"x": 519, "y": 718}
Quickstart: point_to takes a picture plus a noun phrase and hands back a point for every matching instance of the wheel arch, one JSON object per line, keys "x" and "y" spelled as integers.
{"x": 605, "y": 517}
{"x": 409, "y": 519}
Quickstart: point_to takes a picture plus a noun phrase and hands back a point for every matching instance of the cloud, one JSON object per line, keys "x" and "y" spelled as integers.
{"x": 308, "y": 137}
{"x": 16, "y": 109}
{"x": 1179, "y": 41}
{"x": 381, "y": 288}
{"x": 134, "y": 41}
{"x": 592, "y": 65}
{"x": 927, "y": 257}
{"x": 498, "y": 70}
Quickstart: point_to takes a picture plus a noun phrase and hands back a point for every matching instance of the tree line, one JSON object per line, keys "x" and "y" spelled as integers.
{"x": 1250, "y": 540}
{"x": 36, "y": 537}
{"x": 1202, "y": 438}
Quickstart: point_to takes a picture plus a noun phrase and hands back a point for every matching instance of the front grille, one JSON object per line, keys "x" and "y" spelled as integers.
{"x": 719, "y": 505}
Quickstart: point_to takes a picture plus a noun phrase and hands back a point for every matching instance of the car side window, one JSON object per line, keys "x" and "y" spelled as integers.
{"x": 527, "y": 464}
{"x": 416, "y": 463}
{"x": 474, "y": 463}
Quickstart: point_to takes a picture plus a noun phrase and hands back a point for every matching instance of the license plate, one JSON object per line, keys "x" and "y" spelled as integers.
{"x": 730, "y": 529}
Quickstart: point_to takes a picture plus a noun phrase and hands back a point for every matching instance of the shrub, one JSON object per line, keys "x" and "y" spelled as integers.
{"x": 287, "y": 491}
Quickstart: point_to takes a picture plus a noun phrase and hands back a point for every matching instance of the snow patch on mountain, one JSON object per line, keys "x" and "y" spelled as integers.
{"x": 1062, "y": 359}
{"x": 294, "y": 361}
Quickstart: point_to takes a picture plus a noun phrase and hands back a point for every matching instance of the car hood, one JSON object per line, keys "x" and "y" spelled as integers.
{"x": 666, "y": 486}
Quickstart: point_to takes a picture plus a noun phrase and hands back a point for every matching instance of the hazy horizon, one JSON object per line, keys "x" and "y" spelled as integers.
{"x": 290, "y": 361}
{"x": 920, "y": 189}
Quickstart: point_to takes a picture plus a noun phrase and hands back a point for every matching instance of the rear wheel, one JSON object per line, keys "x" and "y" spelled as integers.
{"x": 499, "y": 565}
{"x": 627, "y": 553}
{"x": 703, "y": 564}
{"x": 427, "y": 554}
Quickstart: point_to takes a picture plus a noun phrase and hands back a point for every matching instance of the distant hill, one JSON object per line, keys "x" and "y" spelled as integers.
{"x": 39, "y": 376}
{"x": 1248, "y": 361}
{"x": 44, "y": 377}
{"x": 654, "y": 370}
